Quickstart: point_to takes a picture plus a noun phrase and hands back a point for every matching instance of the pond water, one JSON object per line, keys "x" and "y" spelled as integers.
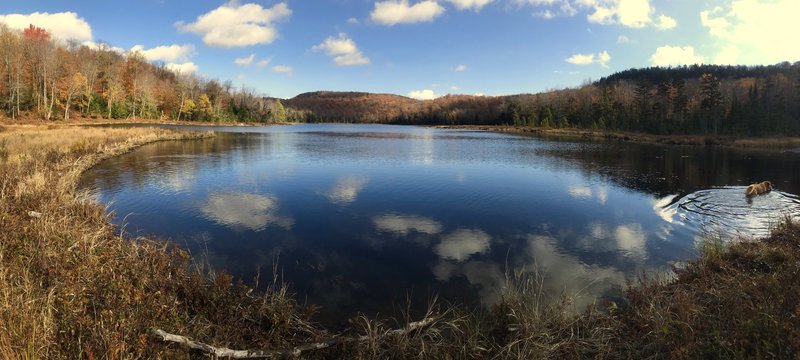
{"x": 362, "y": 218}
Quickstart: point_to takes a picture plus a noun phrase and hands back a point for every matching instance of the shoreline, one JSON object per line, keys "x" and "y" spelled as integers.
{"x": 736, "y": 141}
{"x": 585, "y": 134}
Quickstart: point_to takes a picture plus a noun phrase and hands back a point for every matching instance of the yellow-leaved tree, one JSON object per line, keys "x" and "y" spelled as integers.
{"x": 204, "y": 107}
{"x": 75, "y": 85}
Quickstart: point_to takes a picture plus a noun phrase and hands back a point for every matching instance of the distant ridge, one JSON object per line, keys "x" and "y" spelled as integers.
{"x": 694, "y": 99}
{"x": 348, "y": 106}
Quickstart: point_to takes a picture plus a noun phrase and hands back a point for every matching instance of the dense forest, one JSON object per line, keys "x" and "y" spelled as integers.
{"x": 697, "y": 99}
{"x": 53, "y": 80}
{"x": 49, "y": 79}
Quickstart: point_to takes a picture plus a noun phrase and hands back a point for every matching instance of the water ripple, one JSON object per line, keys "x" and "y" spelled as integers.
{"x": 728, "y": 211}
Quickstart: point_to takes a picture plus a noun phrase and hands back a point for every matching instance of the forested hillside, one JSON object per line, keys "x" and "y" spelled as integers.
{"x": 327, "y": 106}
{"x": 698, "y": 99}
{"x": 52, "y": 80}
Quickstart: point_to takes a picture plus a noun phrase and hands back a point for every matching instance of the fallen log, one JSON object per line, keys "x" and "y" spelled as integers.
{"x": 224, "y": 352}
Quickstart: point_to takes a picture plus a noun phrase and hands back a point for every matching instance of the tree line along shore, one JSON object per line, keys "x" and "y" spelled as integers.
{"x": 47, "y": 79}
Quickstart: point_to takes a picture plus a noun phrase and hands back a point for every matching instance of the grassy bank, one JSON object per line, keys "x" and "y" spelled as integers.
{"x": 79, "y": 120}
{"x": 70, "y": 288}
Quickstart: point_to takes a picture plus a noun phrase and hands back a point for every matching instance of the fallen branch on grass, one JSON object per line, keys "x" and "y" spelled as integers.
{"x": 295, "y": 351}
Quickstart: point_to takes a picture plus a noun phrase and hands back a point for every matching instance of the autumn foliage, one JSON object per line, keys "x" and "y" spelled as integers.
{"x": 697, "y": 99}
{"x": 50, "y": 79}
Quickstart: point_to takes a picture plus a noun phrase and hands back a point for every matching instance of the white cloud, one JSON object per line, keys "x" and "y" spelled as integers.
{"x": 63, "y": 25}
{"x": 729, "y": 55}
{"x": 581, "y": 59}
{"x": 537, "y": 2}
{"x": 393, "y": 12}
{"x": 601, "y": 58}
{"x": 463, "y": 243}
{"x": 622, "y": 39}
{"x": 283, "y": 69}
{"x": 629, "y": 13}
{"x": 245, "y": 61}
{"x": 665, "y": 23}
{"x": 237, "y": 25}
{"x": 249, "y": 60}
{"x": 353, "y": 21}
{"x": 184, "y": 68}
{"x": 754, "y": 31}
{"x": 546, "y": 14}
{"x": 263, "y": 63}
{"x": 343, "y": 50}
{"x": 716, "y": 26}
{"x": 476, "y": 5}
{"x": 460, "y": 68}
{"x": 167, "y": 53}
{"x": 422, "y": 94}
{"x": 675, "y": 55}
{"x": 102, "y": 46}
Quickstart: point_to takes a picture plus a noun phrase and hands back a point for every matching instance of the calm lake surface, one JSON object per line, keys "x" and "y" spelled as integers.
{"x": 358, "y": 218}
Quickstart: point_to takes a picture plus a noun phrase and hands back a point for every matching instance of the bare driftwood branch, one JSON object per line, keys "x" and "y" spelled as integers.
{"x": 295, "y": 351}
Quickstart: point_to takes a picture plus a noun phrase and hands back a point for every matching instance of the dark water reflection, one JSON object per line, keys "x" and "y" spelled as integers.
{"x": 359, "y": 217}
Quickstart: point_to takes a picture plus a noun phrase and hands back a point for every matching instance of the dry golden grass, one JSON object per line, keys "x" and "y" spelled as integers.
{"x": 777, "y": 142}
{"x": 71, "y": 288}
{"x": 697, "y": 140}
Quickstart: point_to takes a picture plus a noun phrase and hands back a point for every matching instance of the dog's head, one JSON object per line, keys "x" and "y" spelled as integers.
{"x": 767, "y": 185}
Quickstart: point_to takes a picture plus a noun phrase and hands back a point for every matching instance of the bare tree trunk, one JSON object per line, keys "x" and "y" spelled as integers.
{"x": 44, "y": 86}
{"x": 11, "y": 90}
{"x": 89, "y": 93}
{"x": 66, "y": 107}
{"x": 52, "y": 101}
{"x": 180, "y": 108}
{"x": 17, "y": 89}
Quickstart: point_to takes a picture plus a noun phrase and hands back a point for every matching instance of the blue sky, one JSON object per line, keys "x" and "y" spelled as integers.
{"x": 423, "y": 48}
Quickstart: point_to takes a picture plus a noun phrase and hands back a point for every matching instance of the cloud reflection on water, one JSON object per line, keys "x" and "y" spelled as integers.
{"x": 404, "y": 224}
{"x": 580, "y": 192}
{"x": 463, "y": 243}
{"x": 244, "y": 210}
{"x": 583, "y": 192}
{"x": 566, "y": 274}
{"x": 486, "y": 275}
{"x": 631, "y": 240}
{"x": 346, "y": 190}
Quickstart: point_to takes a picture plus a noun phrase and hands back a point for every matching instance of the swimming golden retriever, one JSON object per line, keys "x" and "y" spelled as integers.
{"x": 759, "y": 188}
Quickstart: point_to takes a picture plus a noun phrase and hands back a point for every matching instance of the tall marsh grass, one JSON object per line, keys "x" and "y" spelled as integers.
{"x": 71, "y": 288}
